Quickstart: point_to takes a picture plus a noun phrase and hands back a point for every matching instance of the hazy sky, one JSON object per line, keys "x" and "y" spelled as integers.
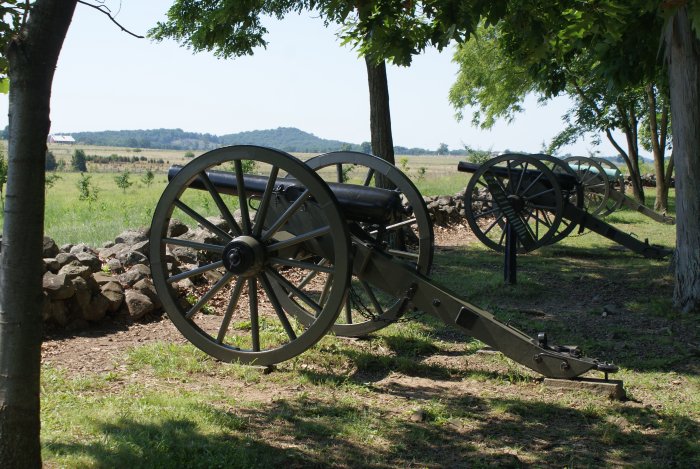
{"x": 108, "y": 80}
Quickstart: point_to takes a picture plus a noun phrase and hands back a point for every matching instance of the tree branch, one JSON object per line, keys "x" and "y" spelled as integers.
{"x": 103, "y": 9}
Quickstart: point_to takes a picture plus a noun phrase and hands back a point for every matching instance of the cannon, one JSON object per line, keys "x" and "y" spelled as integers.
{"x": 604, "y": 188}
{"x": 543, "y": 199}
{"x": 277, "y": 266}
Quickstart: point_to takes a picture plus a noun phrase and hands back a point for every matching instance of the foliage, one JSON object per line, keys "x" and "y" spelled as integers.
{"x": 78, "y": 161}
{"x": 443, "y": 149}
{"x": 478, "y": 156}
{"x": 189, "y": 154}
{"x": 147, "y": 178}
{"x": 403, "y": 164}
{"x": 123, "y": 180}
{"x": 51, "y": 180}
{"x": 51, "y": 164}
{"x": 87, "y": 191}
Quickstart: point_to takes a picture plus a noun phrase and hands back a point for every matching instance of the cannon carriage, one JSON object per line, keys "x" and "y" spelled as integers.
{"x": 543, "y": 199}
{"x": 291, "y": 257}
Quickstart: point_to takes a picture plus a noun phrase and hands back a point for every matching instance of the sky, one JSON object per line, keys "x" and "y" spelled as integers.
{"x": 108, "y": 80}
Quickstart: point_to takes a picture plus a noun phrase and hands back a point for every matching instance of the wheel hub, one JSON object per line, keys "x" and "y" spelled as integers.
{"x": 244, "y": 256}
{"x": 517, "y": 202}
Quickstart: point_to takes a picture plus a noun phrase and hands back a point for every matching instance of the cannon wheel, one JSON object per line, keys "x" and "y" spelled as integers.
{"x": 575, "y": 197}
{"x": 617, "y": 183}
{"x": 409, "y": 238}
{"x": 537, "y": 201}
{"x": 231, "y": 309}
{"x": 596, "y": 185}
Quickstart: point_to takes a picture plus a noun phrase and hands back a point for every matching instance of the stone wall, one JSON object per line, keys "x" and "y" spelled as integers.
{"x": 84, "y": 284}
{"x": 445, "y": 210}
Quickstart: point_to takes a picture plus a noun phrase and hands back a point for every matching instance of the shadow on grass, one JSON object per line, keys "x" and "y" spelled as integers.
{"x": 463, "y": 431}
{"x": 615, "y": 304}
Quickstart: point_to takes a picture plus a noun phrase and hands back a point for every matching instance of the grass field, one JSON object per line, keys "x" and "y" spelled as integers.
{"x": 417, "y": 393}
{"x": 70, "y": 220}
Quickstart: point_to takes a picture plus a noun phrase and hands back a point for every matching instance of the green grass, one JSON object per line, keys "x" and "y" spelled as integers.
{"x": 350, "y": 403}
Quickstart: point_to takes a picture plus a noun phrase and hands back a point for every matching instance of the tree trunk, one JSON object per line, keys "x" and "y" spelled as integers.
{"x": 683, "y": 55}
{"x": 379, "y": 113}
{"x": 32, "y": 57}
{"x": 635, "y": 180}
{"x": 630, "y": 129}
{"x": 658, "y": 147}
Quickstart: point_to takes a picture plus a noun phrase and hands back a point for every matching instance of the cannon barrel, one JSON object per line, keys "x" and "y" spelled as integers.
{"x": 566, "y": 181}
{"x": 359, "y": 203}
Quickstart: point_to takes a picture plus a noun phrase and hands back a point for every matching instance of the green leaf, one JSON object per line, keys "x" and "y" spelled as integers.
{"x": 4, "y": 85}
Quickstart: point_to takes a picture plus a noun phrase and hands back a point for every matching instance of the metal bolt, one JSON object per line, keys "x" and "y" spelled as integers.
{"x": 436, "y": 302}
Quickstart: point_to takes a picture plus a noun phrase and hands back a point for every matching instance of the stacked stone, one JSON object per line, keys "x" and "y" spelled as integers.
{"x": 649, "y": 180}
{"x": 83, "y": 285}
{"x": 445, "y": 210}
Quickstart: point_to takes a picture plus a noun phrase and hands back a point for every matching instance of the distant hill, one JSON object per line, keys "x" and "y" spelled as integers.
{"x": 283, "y": 138}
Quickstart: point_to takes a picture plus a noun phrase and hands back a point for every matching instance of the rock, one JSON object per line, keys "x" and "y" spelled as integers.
{"x": 418, "y": 415}
{"x": 134, "y": 274}
{"x": 142, "y": 247}
{"x": 131, "y": 237}
{"x": 46, "y": 308}
{"x": 58, "y": 286}
{"x": 101, "y": 278}
{"x": 107, "y": 244}
{"x": 176, "y": 228}
{"x": 114, "y": 294}
{"x": 97, "y": 309}
{"x": 82, "y": 247}
{"x": 90, "y": 260}
{"x": 115, "y": 266}
{"x": 113, "y": 251}
{"x": 81, "y": 299}
{"x": 131, "y": 257}
{"x": 184, "y": 255}
{"x": 146, "y": 287}
{"x": 66, "y": 247}
{"x": 50, "y": 248}
{"x": 59, "y": 312}
{"x": 75, "y": 269}
{"x": 137, "y": 304}
{"x": 51, "y": 264}
{"x": 64, "y": 258}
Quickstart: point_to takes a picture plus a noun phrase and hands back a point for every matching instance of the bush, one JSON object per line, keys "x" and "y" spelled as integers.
{"x": 189, "y": 154}
{"x": 86, "y": 190}
{"x": 123, "y": 181}
{"x": 51, "y": 163}
{"x": 78, "y": 161}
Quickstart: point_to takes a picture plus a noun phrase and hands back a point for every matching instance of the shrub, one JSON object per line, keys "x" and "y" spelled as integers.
{"x": 189, "y": 154}
{"x": 123, "y": 181}
{"x": 50, "y": 164}
{"x": 78, "y": 161}
{"x": 147, "y": 178}
{"x": 86, "y": 190}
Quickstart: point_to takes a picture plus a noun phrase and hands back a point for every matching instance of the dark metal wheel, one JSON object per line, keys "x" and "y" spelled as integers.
{"x": 572, "y": 193}
{"x": 221, "y": 284}
{"x": 617, "y": 185}
{"x": 408, "y": 236}
{"x": 596, "y": 185}
{"x": 519, "y": 189}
